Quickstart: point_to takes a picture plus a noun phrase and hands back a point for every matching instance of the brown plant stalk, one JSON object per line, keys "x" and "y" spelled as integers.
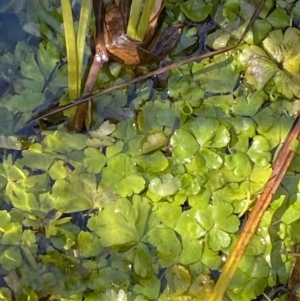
{"x": 281, "y": 165}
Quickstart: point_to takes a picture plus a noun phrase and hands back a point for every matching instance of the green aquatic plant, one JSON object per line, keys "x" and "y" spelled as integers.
{"x": 147, "y": 206}
{"x": 75, "y": 46}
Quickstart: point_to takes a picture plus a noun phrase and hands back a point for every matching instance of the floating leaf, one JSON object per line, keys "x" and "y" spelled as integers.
{"x": 153, "y": 142}
{"x": 239, "y": 163}
{"x": 94, "y": 161}
{"x": 196, "y": 10}
{"x": 27, "y": 102}
{"x": 154, "y": 162}
{"x": 148, "y": 288}
{"x": 210, "y": 133}
{"x": 11, "y": 258}
{"x": 57, "y": 170}
{"x": 188, "y": 227}
{"x": 121, "y": 173}
{"x": 282, "y": 50}
{"x": 36, "y": 158}
{"x": 279, "y": 18}
{"x": 5, "y": 220}
{"x": 260, "y": 69}
{"x": 184, "y": 146}
{"x": 10, "y": 142}
{"x": 67, "y": 200}
{"x": 217, "y": 77}
{"x": 167, "y": 244}
{"x": 100, "y": 137}
{"x": 129, "y": 222}
{"x": 248, "y": 106}
{"x": 259, "y": 151}
{"x": 12, "y": 234}
{"x": 142, "y": 261}
{"x": 220, "y": 222}
{"x": 165, "y": 185}
{"x": 168, "y": 214}
{"x": 89, "y": 245}
{"x": 64, "y": 142}
{"x": 21, "y": 199}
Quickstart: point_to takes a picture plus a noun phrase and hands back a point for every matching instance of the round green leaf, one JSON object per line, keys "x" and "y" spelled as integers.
{"x": 165, "y": 185}
{"x": 184, "y": 146}
{"x": 196, "y": 10}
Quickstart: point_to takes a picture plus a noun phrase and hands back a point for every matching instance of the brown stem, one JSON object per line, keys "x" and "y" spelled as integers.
{"x": 281, "y": 165}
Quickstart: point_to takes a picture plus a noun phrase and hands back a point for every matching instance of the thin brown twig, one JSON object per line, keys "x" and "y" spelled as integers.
{"x": 281, "y": 165}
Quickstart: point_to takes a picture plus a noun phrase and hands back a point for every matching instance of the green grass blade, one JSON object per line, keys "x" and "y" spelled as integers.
{"x": 144, "y": 21}
{"x": 135, "y": 13}
{"x": 82, "y": 32}
{"x": 71, "y": 46}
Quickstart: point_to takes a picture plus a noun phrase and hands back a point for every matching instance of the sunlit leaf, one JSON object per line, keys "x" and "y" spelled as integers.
{"x": 239, "y": 163}
{"x": 259, "y": 151}
{"x": 57, "y": 170}
{"x": 260, "y": 69}
{"x": 5, "y": 220}
{"x": 168, "y": 214}
{"x": 153, "y": 142}
{"x": 129, "y": 222}
{"x": 10, "y": 142}
{"x": 179, "y": 279}
{"x": 12, "y": 234}
{"x": 165, "y": 185}
{"x": 184, "y": 146}
{"x": 21, "y": 199}
{"x": 210, "y": 133}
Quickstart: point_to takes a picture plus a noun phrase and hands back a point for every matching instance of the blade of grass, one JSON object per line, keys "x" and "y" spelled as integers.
{"x": 144, "y": 20}
{"x": 81, "y": 36}
{"x": 134, "y": 18}
{"x": 71, "y": 46}
{"x": 83, "y": 113}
